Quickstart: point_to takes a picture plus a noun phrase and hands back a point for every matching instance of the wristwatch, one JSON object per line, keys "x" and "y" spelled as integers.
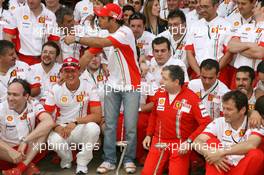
{"x": 77, "y": 39}
{"x": 189, "y": 141}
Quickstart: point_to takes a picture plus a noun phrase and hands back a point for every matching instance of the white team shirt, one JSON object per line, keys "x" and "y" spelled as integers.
{"x": 122, "y": 60}
{"x": 33, "y": 31}
{"x": 249, "y": 33}
{"x": 212, "y": 97}
{"x": 226, "y": 8}
{"x": 213, "y": 36}
{"x": 47, "y": 80}
{"x": 14, "y": 4}
{"x": 72, "y": 50}
{"x": 5, "y": 16}
{"x": 237, "y": 20}
{"x": 144, "y": 43}
{"x": 177, "y": 47}
{"x": 83, "y": 9}
{"x": 14, "y": 126}
{"x": 71, "y": 105}
{"x": 155, "y": 69}
{"x": 229, "y": 136}
{"x": 191, "y": 17}
{"x": 19, "y": 70}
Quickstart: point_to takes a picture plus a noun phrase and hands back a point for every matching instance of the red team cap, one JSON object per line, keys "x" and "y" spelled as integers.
{"x": 110, "y": 10}
{"x": 70, "y": 63}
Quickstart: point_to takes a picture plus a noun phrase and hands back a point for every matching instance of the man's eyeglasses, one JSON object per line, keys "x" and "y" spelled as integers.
{"x": 48, "y": 53}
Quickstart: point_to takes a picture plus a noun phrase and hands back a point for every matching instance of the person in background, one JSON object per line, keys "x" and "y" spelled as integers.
{"x": 128, "y": 10}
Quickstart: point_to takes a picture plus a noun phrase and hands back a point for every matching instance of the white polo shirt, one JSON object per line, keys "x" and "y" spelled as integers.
{"x": 226, "y": 8}
{"x": 5, "y": 16}
{"x": 237, "y": 20}
{"x": 192, "y": 16}
{"x": 14, "y": 126}
{"x": 211, "y": 97}
{"x": 72, "y": 50}
{"x": 47, "y": 80}
{"x": 14, "y": 4}
{"x": 31, "y": 31}
{"x": 144, "y": 43}
{"x": 213, "y": 36}
{"x": 229, "y": 136}
{"x": 249, "y": 33}
{"x": 155, "y": 69}
{"x": 122, "y": 60}
{"x": 71, "y": 105}
{"x": 19, "y": 70}
{"x": 83, "y": 9}
{"x": 177, "y": 47}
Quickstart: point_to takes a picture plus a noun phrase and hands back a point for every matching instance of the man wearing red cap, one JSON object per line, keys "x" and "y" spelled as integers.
{"x": 76, "y": 128}
{"x": 124, "y": 78}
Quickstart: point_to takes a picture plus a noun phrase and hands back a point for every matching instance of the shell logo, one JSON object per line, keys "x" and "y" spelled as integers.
{"x": 85, "y": 8}
{"x": 236, "y": 23}
{"x": 9, "y": 118}
{"x": 64, "y": 99}
{"x": 37, "y": 78}
{"x": 13, "y": 8}
{"x": 161, "y": 101}
{"x": 25, "y": 17}
{"x": 248, "y": 29}
{"x": 228, "y": 132}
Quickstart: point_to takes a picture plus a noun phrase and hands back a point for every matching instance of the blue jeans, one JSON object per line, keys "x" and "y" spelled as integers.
{"x": 112, "y": 103}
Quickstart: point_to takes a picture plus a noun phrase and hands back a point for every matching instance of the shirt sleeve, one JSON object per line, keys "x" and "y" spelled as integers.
{"x": 50, "y": 103}
{"x": 94, "y": 97}
{"x": 11, "y": 26}
{"x": 38, "y": 109}
{"x": 211, "y": 129}
{"x": 152, "y": 118}
{"x": 34, "y": 82}
{"x": 201, "y": 116}
{"x": 53, "y": 29}
{"x": 259, "y": 132}
{"x": 76, "y": 13}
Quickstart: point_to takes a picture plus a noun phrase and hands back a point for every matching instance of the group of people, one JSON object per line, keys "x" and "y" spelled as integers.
{"x": 171, "y": 79}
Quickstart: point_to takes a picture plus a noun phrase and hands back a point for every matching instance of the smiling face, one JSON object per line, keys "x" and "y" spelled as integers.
{"x": 48, "y": 55}
{"x": 231, "y": 113}
{"x": 71, "y": 76}
{"x": 243, "y": 82}
{"x": 16, "y": 97}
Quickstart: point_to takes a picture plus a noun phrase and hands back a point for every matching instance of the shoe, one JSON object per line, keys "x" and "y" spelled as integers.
{"x": 130, "y": 167}
{"x": 12, "y": 171}
{"x": 105, "y": 167}
{"x": 65, "y": 165}
{"x": 32, "y": 169}
{"x": 81, "y": 169}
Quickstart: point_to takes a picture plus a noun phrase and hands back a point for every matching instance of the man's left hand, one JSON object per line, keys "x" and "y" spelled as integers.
{"x": 69, "y": 39}
{"x": 214, "y": 156}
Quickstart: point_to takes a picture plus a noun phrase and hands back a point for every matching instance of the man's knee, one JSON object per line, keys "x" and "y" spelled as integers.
{"x": 92, "y": 129}
{"x": 256, "y": 155}
{"x": 54, "y": 138}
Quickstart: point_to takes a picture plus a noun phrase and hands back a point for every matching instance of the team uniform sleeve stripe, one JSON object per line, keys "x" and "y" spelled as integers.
{"x": 94, "y": 50}
{"x": 35, "y": 85}
{"x": 261, "y": 44}
{"x": 94, "y": 103}
{"x": 49, "y": 108}
{"x": 53, "y": 38}
{"x": 10, "y": 31}
{"x": 189, "y": 47}
{"x": 211, "y": 135}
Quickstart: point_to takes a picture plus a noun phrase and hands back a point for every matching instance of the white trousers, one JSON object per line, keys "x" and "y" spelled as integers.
{"x": 83, "y": 138}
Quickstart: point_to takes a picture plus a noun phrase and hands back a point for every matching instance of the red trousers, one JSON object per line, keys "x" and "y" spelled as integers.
{"x": 177, "y": 164}
{"x": 4, "y": 165}
{"x": 30, "y": 60}
{"x": 141, "y": 133}
{"x": 251, "y": 164}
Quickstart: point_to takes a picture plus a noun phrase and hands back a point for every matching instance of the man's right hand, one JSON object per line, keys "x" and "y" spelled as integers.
{"x": 15, "y": 156}
{"x": 60, "y": 131}
{"x": 146, "y": 142}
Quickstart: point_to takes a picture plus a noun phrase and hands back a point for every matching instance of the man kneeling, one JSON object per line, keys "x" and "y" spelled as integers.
{"x": 20, "y": 140}
{"x": 228, "y": 133}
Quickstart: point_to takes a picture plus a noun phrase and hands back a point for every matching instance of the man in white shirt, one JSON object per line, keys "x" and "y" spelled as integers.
{"x": 31, "y": 26}
{"x": 144, "y": 38}
{"x": 47, "y": 72}
{"x": 14, "y": 4}
{"x": 20, "y": 137}
{"x": 224, "y": 133}
{"x": 11, "y": 68}
{"x": 78, "y": 113}
{"x": 122, "y": 83}
{"x": 211, "y": 32}
{"x": 242, "y": 15}
{"x": 176, "y": 34}
{"x": 162, "y": 57}
{"x": 82, "y": 10}
{"x": 260, "y": 84}
{"x": 227, "y": 8}
{"x": 209, "y": 89}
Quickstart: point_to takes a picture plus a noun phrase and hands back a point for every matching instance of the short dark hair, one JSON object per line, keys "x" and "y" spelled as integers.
{"x": 260, "y": 67}
{"x": 176, "y": 73}
{"x": 210, "y": 64}
{"x": 24, "y": 83}
{"x": 161, "y": 40}
{"x": 61, "y": 12}
{"x": 177, "y": 13}
{"x": 259, "y": 106}
{"x": 128, "y": 7}
{"x": 238, "y": 97}
{"x": 54, "y": 45}
{"x": 4, "y": 45}
{"x": 137, "y": 15}
{"x": 247, "y": 69}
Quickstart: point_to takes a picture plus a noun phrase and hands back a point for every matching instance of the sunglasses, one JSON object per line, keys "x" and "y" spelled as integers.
{"x": 70, "y": 64}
